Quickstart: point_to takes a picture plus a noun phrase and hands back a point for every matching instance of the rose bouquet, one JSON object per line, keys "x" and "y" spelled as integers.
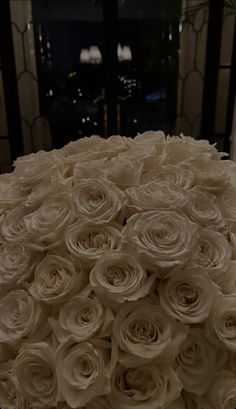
{"x": 118, "y": 276}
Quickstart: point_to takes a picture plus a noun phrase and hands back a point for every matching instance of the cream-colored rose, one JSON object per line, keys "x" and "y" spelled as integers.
{"x": 118, "y": 277}
{"x": 187, "y": 295}
{"x": 183, "y": 148}
{"x": 84, "y": 145}
{"x": 34, "y": 368}
{"x": 209, "y": 174}
{"x": 202, "y": 209}
{"x": 48, "y": 186}
{"x": 17, "y": 263}
{"x": 11, "y": 396}
{"x": 144, "y": 387}
{"x": 83, "y": 371}
{"x": 122, "y": 172}
{"x": 161, "y": 239}
{"x": 173, "y": 175}
{"x": 11, "y": 194}
{"x": 31, "y": 169}
{"x": 46, "y": 226}
{"x": 13, "y": 225}
{"x": 98, "y": 200}
{"x": 20, "y": 317}
{"x": 213, "y": 253}
{"x": 144, "y": 332}
{"x": 57, "y": 279}
{"x": 81, "y": 318}
{"x": 196, "y": 362}
{"x": 155, "y": 196}
{"x": 226, "y": 201}
{"x": 88, "y": 241}
{"x": 222, "y": 321}
{"x": 222, "y": 391}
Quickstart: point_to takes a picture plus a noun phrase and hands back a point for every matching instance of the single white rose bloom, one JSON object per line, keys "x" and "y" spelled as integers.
{"x": 50, "y": 185}
{"x": 118, "y": 277}
{"x": 187, "y": 295}
{"x": 13, "y": 226}
{"x": 20, "y": 317}
{"x": 144, "y": 387}
{"x": 83, "y": 371}
{"x": 98, "y": 200}
{"x": 173, "y": 175}
{"x": 46, "y": 226}
{"x": 11, "y": 396}
{"x": 155, "y": 196}
{"x": 31, "y": 169}
{"x": 34, "y": 368}
{"x": 202, "y": 209}
{"x": 196, "y": 362}
{"x": 222, "y": 391}
{"x": 11, "y": 194}
{"x": 56, "y": 279}
{"x": 209, "y": 174}
{"x": 161, "y": 239}
{"x": 144, "y": 332}
{"x": 88, "y": 241}
{"x": 226, "y": 201}
{"x": 17, "y": 263}
{"x": 222, "y": 321}
{"x": 81, "y": 318}
{"x": 122, "y": 172}
{"x": 213, "y": 253}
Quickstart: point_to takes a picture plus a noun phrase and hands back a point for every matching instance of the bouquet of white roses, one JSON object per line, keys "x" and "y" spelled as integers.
{"x": 118, "y": 277}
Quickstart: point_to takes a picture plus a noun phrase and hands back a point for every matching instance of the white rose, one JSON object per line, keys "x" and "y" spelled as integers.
{"x": 144, "y": 387}
{"x": 57, "y": 279}
{"x": 183, "y": 148}
{"x": 227, "y": 203}
{"x": 122, "y": 172}
{"x": 211, "y": 175}
{"x": 83, "y": 371}
{"x": 88, "y": 241}
{"x": 81, "y": 318}
{"x": 143, "y": 331}
{"x": 46, "y": 187}
{"x": 17, "y": 262}
{"x": 196, "y": 362}
{"x": 31, "y": 169}
{"x": 46, "y": 226}
{"x": 213, "y": 253}
{"x": 187, "y": 295}
{"x": 118, "y": 277}
{"x": 173, "y": 175}
{"x": 201, "y": 209}
{"x": 222, "y": 391}
{"x": 155, "y": 196}
{"x": 34, "y": 368}
{"x": 11, "y": 396}
{"x": 13, "y": 225}
{"x": 160, "y": 238}
{"x": 222, "y": 321}
{"x": 98, "y": 200}
{"x": 20, "y": 317}
{"x": 11, "y": 194}
{"x": 84, "y": 145}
